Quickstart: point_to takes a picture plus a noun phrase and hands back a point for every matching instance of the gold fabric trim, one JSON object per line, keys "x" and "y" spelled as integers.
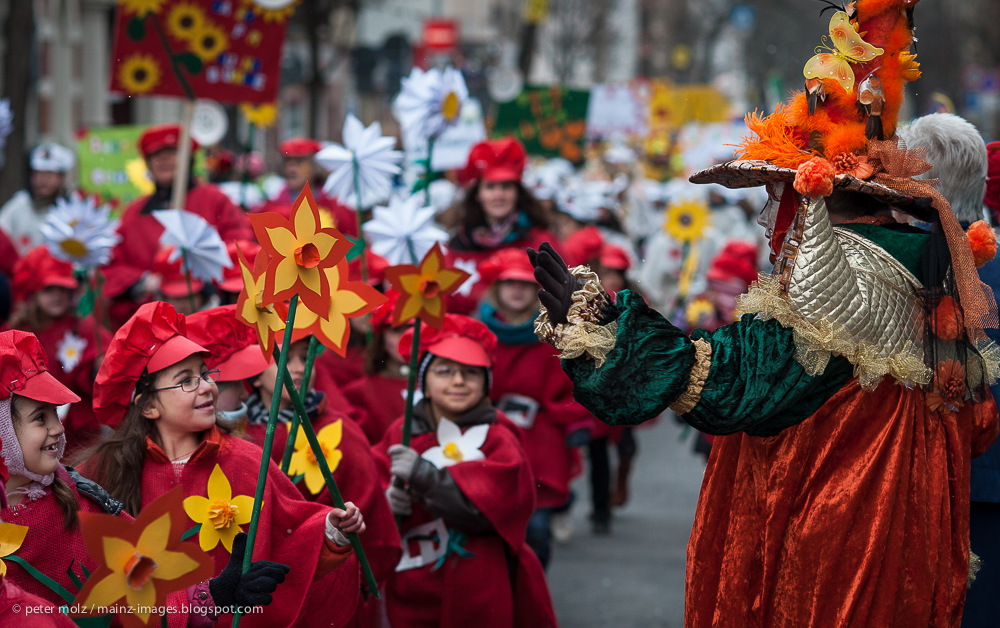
{"x": 582, "y": 334}
{"x": 696, "y": 378}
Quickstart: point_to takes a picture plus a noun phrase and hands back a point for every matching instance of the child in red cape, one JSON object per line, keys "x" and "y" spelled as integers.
{"x": 234, "y": 352}
{"x": 466, "y": 496}
{"x": 156, "y": 391}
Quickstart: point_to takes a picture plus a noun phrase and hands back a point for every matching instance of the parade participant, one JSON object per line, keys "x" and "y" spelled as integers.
{"x": 468, "y": 488}
{"x": 850, "y": 396}
{"x": 44, "y": 288}
{"x": 22, "y": 216}
{"x": 532, "y": 391}
{"x": 498, "y": 212}
{"x": 133, "y": 259}
{"x": 155, "y": 391}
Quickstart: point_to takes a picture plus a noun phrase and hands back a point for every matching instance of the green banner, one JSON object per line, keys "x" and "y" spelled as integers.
{"x": 550, "y": 121}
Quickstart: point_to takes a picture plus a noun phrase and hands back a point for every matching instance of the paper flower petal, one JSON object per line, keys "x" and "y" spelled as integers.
{"x": 204, "y": 251}
{"x": 78, "y": 231}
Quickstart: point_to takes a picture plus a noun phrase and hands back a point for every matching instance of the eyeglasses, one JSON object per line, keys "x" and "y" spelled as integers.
{"x": 190, "y": 384}
{"x": 468, "y": 372}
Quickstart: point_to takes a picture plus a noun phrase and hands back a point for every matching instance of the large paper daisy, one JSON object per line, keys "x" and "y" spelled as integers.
{"x": 366, "y": 159}
{"x": 78, "y": 231}
{"x": 431, "y": 101}
{"x": 454, "y": 447}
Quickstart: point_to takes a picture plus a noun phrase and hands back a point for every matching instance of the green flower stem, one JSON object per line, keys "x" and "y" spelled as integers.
{"x": 272, "y": 422}
{"x": 428, "y": 173}
{"x": 293, "y": 433}
{"x": 411, "y": 383}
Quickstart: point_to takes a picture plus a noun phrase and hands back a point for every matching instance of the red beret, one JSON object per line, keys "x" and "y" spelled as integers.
{"x": 173, "y": 280}
{"x": 507, "y": 265}
{"x": 462, "y": 339}
{"x": 156, "y": 138}
{"x": 496, "y": 160}
{"x": 232, "y": 346}
{"x": 615, "y": 258}
{"x": 300, "y": 147}
{"x": 154, "y": 338}
{"x": 992, "y": 198}
{"x": 38, "y": 270}
{"x": 24, "y": 370}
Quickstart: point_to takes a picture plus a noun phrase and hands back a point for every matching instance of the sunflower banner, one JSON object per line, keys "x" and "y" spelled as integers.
{"x": 225, "y": 51}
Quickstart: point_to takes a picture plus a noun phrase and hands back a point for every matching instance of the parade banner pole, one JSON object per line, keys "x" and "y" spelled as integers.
{"x": 179, "y": 195}
{"x": 293, "y": 432}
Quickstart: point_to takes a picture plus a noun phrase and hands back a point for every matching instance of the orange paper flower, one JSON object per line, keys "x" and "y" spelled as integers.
{"x": 983, "y": 241}
{"x": 141, "y": 561}
{"x": 300, "y": 250}
{"x": 348, "y": 299}
{"x": 250, "y": 307}
{"x": 422, "y": 290}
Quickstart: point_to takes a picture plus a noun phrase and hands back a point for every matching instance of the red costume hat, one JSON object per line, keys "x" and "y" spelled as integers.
{"x": 24, "y": 371}
{"x": 992, "y": 198}
{"x": 496, "y": 160}
{"x": 232, "y": 278}
{"x": 507, "y": 265}
{"x": 173, "y": 281}
{"x": 615, "y": 258}
{"x": 156, "y": 138}
{"x": 299, "y": 147}
{"x": 153, "y": 339}
{"x": 376, "y": 268}
{"x": 738, "y": 260}
{"x": 38, "y": 270}
{"x": 462, "y": 339}
{"x": 231, "y": 345}
{"x": 583, "y": 246}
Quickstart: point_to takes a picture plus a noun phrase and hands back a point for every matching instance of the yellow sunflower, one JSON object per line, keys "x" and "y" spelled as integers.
{"x": 139, "y": 73}
{"x": 262, "y": 115}
{"x": 185, "y": 20}
{"x": 273, "y": 11}
{"x": 209, "y": 42}
{"x": 686, "y": 220}
{"x": 141, "y": 7}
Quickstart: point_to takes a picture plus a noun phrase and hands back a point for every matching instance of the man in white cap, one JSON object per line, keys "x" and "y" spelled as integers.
{"x": 22, "y": 216}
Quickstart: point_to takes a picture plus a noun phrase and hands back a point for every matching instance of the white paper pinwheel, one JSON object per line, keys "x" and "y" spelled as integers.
{"x": 404, "y": 231}
{"x": 371, "y": 154}
{"x": 204, "y": 251}
{"x": 454, "y": 446}
{"x": 78, "y": 231}
{"x": 431, "y": 101}
{"x": 69, "y": 350}
{"x": 6, "y": 125}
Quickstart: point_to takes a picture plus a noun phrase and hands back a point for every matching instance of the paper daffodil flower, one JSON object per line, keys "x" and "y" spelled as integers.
{"x": 11, "y": 538}
{"x": 304, "y": 459}
{"x": 454, "y": 447}
{"x": 198, "y": 241}
{"x": 366, "y": 151}
{"x": 78, "y": 231}
{"x": 422, "y": 289}
{"x": 250, "y": 307}
{"x": 141, "y": 561}
{"x": 300, "y": 249}
{"x": 220, "y": 514}
{"x": 69, "y": 350}
{"x": 404, "y": 231}
{"x": 431, "y": 101}
{"x": 348, "y": 299}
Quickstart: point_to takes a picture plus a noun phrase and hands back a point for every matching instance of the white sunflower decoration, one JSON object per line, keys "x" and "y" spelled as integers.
{"x": 431, "y": 101}
{"x": 78, "y": 231}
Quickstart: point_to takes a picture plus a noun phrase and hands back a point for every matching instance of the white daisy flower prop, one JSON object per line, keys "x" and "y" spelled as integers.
{"x": 469, "y": 266}
{"x": 70, "y": 350}
{"x": 191, "y": 236}
{"x": 404, "y": 231}
{"x": 367, "y": 162}
{"x": 454, "y": 446}
{"x": 80, "y": 232}
{"x": 431, "y": 101}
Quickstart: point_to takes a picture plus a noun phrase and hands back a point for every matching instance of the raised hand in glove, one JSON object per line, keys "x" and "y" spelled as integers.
{"x": 232, "y": 587}
{"x": 404, "y": 461}
{"x": 400, "y": 501}
{"x": 556, "y": 281}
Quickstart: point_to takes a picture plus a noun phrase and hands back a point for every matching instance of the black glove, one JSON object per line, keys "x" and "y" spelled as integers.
{"x": 253, "y": 588}
{"x": 557, "y": 283}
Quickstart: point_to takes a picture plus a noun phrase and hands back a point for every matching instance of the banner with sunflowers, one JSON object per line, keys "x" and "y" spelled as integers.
{"x": 549, "y": 121}
{"x": 224, "y": 50}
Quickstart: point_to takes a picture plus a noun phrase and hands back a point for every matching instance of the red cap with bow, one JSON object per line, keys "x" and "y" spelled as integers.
{"x": 38, "y": 270}
{"x": 496, "y": 160}
{"x": 462, "y": 339}
{"x": 507, "y": 265}
{"x": 232, "y": 346}
{"x": 24, "y": 370}
{"x": 299, "y": 147}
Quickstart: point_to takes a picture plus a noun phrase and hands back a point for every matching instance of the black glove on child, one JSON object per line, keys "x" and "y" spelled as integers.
{"x": 232, "y": 587}
{"x": 556, "y": 281}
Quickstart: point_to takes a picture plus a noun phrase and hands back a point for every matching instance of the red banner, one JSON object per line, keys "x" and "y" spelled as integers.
{"x": 223, "y": 50}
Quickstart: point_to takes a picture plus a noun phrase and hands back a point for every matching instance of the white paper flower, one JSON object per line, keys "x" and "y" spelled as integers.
{"x": 78, "y": 231}
{"x": 431, "y": 101}
{"x": 404, "y": 231}
{"x": 376, "y": 160}
{"x": 469, "y": 266}
{"x": 6, "y": 125}
{"x": 70, "y": 350}
{"x": 196, "y": 240}
{"x": 454, "y": 446}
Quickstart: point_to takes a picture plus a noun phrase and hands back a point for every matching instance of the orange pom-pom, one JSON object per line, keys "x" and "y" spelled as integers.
{"x": 948, "y": 322}
{"x": 983, "y": 241}
{"x": 814, "y": 178}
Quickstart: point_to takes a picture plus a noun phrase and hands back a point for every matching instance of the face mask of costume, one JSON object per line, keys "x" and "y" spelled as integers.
{"x": 769, "y": 215}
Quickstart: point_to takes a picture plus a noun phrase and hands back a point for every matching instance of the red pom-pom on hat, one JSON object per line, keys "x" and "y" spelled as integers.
{"x": 232, "y": 346}
{"x": 24, "y": 370}
{"x": 462, "y": 339}
{"x": 496, "y": 160}
{"x": 300, "y": 147}
{"x": 38, "y": 270}
{"x": 507, "y": 265}
{"x": 814, "y": 178}
{"x": 156, "y": 138}
{"x": 983, "y": 240}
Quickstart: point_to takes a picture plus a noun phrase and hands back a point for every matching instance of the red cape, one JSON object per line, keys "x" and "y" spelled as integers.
{"x": 12, "y": 597}
{"x": 379, "y": 400}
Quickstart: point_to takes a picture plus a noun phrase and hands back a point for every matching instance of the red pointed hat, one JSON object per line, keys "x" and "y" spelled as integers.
{"x": 156, "y": 138}
{"x": 24, "y": 370}
{"x": 299, "y": 147}
{"x": 992, "y": 198}
{"x": 507, "y": 265}
{"x": 153, "y": 339}
{"x": 496, "y": 160}
{"x": 462, "y": 339}
{"x": 232, "y": 346}
{"x": 173, "y": 281}
{"x": 38, "y": 270}
{"x": 615, "y": 258}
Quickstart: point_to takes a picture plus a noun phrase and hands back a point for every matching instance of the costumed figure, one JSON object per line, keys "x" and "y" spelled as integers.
{"x": 22, "y": 216}
{"x": 851, "y": 394}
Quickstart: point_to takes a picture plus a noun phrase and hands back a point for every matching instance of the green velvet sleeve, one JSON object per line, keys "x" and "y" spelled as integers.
{"x": 754, "y": 384}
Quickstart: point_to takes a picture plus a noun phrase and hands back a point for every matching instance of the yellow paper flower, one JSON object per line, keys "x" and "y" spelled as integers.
{"x": 263, "y": 115}
{"x": 185, "y": 20}
{"x": 686, "y": 220}
{"x": 209, "y": 42}
{"x": 11, "y": 538}
{"x": 348, "y": 299}
{"x": 139, "y": 73}
{"x": 250, "y": 308}
{"x": 304, "y": 460}
{"x": 138, "y": 175}
{"x": 220, "y": 514}
{"x": 422, "y": 289}
{"x": 141, "y": 7}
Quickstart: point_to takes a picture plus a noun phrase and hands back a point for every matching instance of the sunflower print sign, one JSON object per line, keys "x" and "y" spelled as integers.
{"x": 224, "y": 50}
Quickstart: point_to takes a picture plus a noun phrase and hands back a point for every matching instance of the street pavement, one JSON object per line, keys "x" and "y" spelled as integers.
{"x": 633, "y": 578}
